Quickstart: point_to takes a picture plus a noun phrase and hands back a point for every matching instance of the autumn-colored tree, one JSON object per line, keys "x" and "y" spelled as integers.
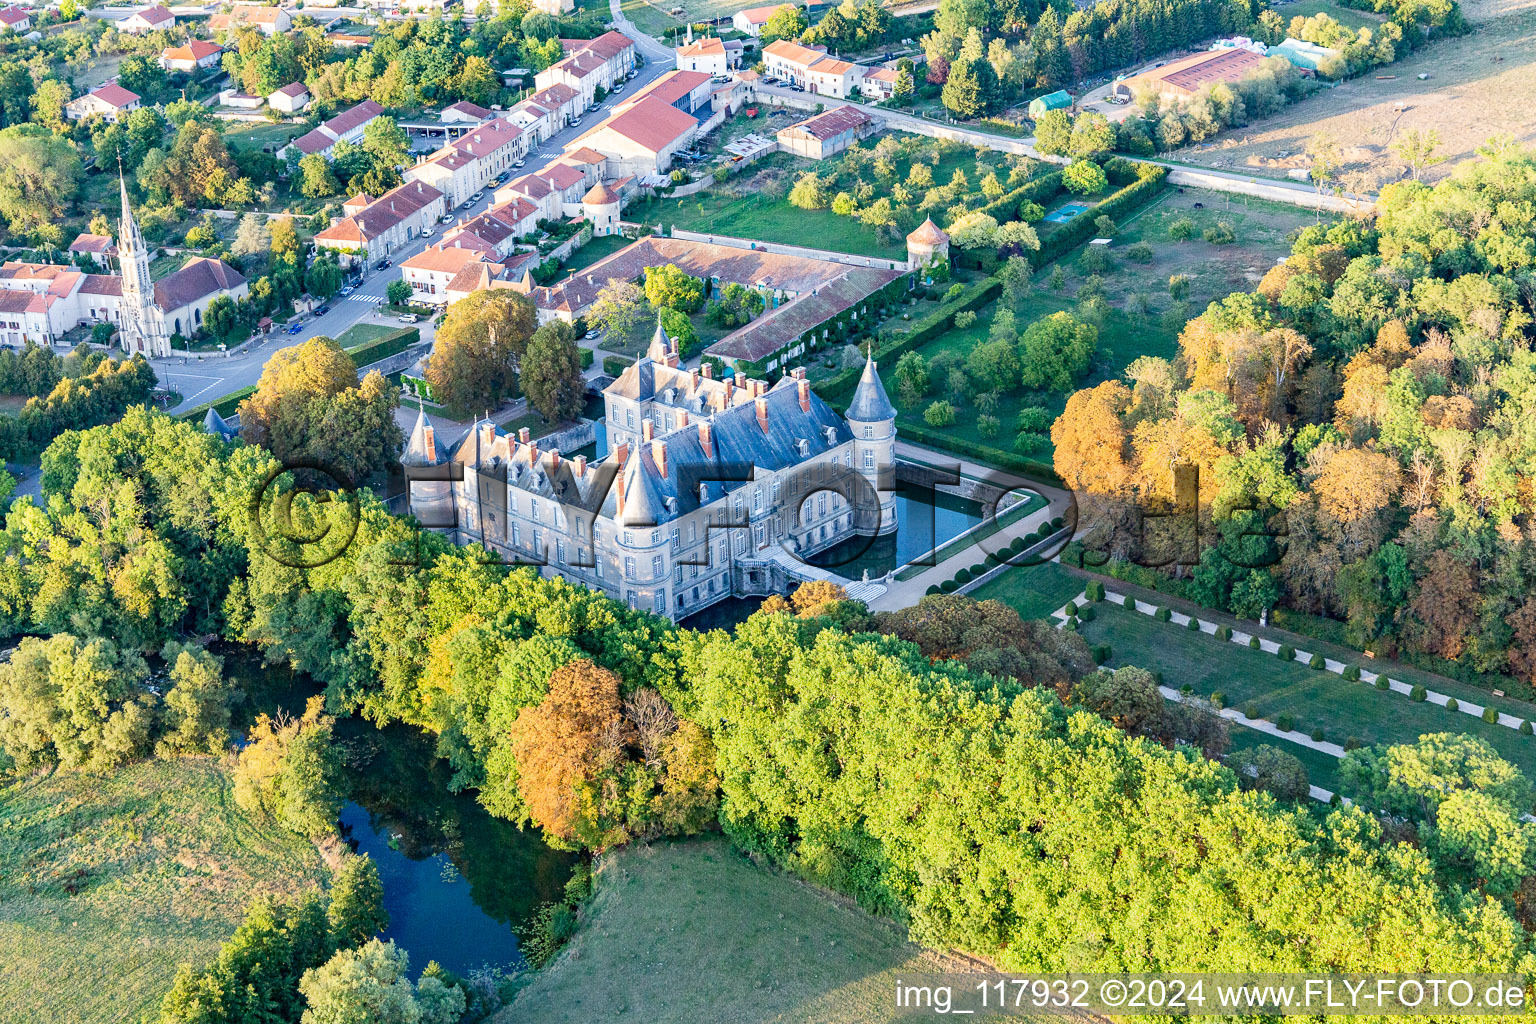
{"x": 1522, "y": 649}
{"x": 991, "y": 637}
{"x": 1443, "y": 613}
{"x": 1357, "y": 484}
{"x": 474, "y": 359}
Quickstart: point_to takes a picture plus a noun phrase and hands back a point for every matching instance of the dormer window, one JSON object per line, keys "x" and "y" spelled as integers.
{"x": 703, "y": 493}
{"x": 803, "y": 447}
{"x": 831, "y": 435}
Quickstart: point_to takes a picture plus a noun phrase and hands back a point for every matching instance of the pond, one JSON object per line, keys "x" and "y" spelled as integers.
{"x": 456, "y": 880}
{"x": 924, "y": 520}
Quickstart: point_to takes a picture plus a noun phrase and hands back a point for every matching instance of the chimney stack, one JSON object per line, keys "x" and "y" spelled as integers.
{"x": 647, "y": 429}
{"x": 708, "y": 370}
{"x": 554, "y": 458}
{"x": 682, "y": 418}
{"x": 659, "y": 455}
{"x": 522, "y": 434}
{"x": 762, "y": 413}
{"x": 741, "y": 379}
{"x": 798, "y": 373}
{"x": 487, "y": 434}
{"x": 693, "y": 379}
{"x": 805, "y": 394}
{"x": 706, "y": 441}
{"x": 581, "y": 465}
{"x": 619, "y": 494}
{"x": 621, "y": 454}
{"x": 533, "y": 454}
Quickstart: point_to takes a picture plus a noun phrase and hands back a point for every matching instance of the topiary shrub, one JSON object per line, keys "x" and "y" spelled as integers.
{"x": 1072, "y": 623}
{"x": 1351, "y": 672}
{"x": 1453, "y": 705}
{"x": 1287, "y": 653}
{"x": 1086, "y": 613}
{"x": 1250, "y": 711}
{"x": 1335, "y": 801}
{"x": 1353, "y": 743}
{"x": 933, "y": 590}
{"x": 1382, "y": 683}
{"x": 1157, "y": 677}
{"x": 1218, "y": 700}
{"x": 1095, "y": 591}
{"x": 1491, "y": 716}
{"x": 1526, "y": 729}
{"x": 963, "y": 576}
{"x": 947, "y": 587}
{"x": 1101, "y": 654}
{"x": 978, "y": 569}
{"x": 1285, "y": 723}
{"x": 1253, "y": 643}
{"x": 1223, "y": 633}
{"x": 1057, "y": 523}
{"x": 1418, "y": 693}
{"x": 1318, "y": 661}
{"x": 1186, "y": 688}
{"x": 1317, "y": 735}
{"x": 1070, "y": 608}
{"x": 1162, "y": 615}
{"x": 1193, "y": 625}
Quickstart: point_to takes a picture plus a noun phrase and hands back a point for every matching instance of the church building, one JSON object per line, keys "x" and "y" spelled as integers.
{"x": 712, "y": 488}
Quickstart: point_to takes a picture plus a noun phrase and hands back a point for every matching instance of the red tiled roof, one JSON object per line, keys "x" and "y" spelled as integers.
{"x": 831, "y": 123}
{"x": 382, "y": 214}
{"x": 445, "y": 258}
{"x": 101, "y": 284}
{"x": 760, "y": 15}
{"x": 87, "y": 242}
{"x": 651, "y": 123}
{"x": 708, "y": 46}
{"x": 14, "y": 15}
{"x": 193, "y": 49}
{"x": 466, "y": 107}
{"x": 292, "y": 89}
{"x": 794, "y": 52}
{"x": 115, "y": 95}
{"x": 673, "y": 86}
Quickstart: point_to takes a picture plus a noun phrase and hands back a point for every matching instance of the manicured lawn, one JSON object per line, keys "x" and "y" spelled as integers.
{"x": 269, "y": 137}
{"x": 767, "y": 218}
{"x": 1034, "y": 591}
{"x": 108, "y": 882}
{"x": 679, "y": 933}
{"x": 362, "y": 334}
{"x": 595, "y": 250}
{"x": 1314, "y": 698}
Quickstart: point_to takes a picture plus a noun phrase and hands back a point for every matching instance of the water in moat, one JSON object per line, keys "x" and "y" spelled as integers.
{"x": 456, "y": 880}
{"x": 924, "y": 520}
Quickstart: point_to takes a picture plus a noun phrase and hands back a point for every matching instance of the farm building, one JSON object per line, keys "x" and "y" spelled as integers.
{"x": 1306, "y": 56}
{"x": 1058, "y": 100}
{"x": 826, "y": 134}
{"x": 1183, "y": 78}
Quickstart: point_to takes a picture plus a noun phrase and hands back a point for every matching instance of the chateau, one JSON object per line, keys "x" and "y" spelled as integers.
{"x": 713, "y": 488}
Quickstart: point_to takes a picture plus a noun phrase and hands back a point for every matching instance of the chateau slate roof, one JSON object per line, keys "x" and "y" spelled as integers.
{"x": 870, "y": 403}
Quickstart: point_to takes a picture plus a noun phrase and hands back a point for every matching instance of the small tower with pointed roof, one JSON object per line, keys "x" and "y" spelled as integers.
{"x": 601, "y": 207}
{"x": 927, "y": 245}
{"x": 872, "y": 418}
{"x": 426, "y": 472}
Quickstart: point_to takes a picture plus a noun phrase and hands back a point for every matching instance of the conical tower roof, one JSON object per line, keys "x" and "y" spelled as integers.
{"x": 600, "y": 195}
{"x": 870, "y": 403}
{"x": 423, "y": 449}
{"x": 661, "y": 345}
{"x": 215, "y": 424}
{"x": 928, "y": 233}
{"x": 643, "y": 501}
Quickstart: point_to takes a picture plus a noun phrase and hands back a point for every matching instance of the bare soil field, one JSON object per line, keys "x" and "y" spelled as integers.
{"x": 1480, "y": 84}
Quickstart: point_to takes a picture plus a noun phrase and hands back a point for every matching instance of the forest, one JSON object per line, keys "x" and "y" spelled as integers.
{"x": 1361, "y": 426}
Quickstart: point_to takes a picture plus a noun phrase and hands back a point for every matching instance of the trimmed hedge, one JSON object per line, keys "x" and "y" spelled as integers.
{"x": 1102, "y": 652}
{"x": 1095, "y": 591}
{"x": 1070, "y": 607}
{"x": 1086, "y": 613}
{"x": 225, "y": 406}
{"x": 1223, "y": 633}
{"x": 947, "y": 587}
{"x": 1526, "y": 729}
{"x": 1382, "y": 683}
{"x": 1162, "y": 615}
{"x": 1253, "y": 643}
{"x": 1286, "y": 653}
{"x": 1351, "y": 672}
{"x": 963, "y": 576}
{"x": 1317, "y": 735}
{"x": 1071, "y": 624}
{"x": 1353, "y": 743}
{"x": 1491, "y": 716}
{"x": 934, "y": 589}
{"x": 1318, "y": 661}
{"x": 1452, "y": 705}
{"x": 1250, "y": 711}
{"x": 382, "y": 348}
{"x": 1218, "y": 700}
{"x": 1139, "y": 182}
{"x": 1032, "y": 468}
{"x": 1193, "y": 625}
{"x": 615, "y": 365}
{"x": 1006, "y": 207}
{"x": 586, "y": 358}
{"x": 1285, "y": 723}
{"x": 1418, "y": 694}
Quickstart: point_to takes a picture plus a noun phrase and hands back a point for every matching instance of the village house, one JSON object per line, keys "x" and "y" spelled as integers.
{"x": 706, "y": 55}
{"x": 752, "y": 20}
{"x": 467, "y": 164}
{"x": 290, "y": 99}
{"x": 191, "y": 55}
{"x": 151, "y": 19}
{"x": 16, "y": 19}
{"x": 373, "y": 228}
{"x": 826, "y": 134}
{"x": 110, "y": 102}
{"x": 269, "y": 21}
{"x": 348, "y": 125}
{"x": 589, "y": 65}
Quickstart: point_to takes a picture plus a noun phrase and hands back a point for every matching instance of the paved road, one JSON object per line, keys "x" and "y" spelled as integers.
{"x": 208, "y": 377}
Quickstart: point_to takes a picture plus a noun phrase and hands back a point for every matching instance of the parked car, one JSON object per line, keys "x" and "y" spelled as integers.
{"x": 427, "y": 232}
{"x": 477, "y": 197}
{"x": 721, "y": 78}
{"x": 347, "y": 289}
{"x": 520, "y": 163}
{"x": 382, "y": 265}
{"x": 295, "y": 328}
{"x": 576, "y": 122}
{"x": 322, "y": 311}
{"x": 618, "y": 87}
{"x": 408, "y": 318}
{"x": 466, "y": 204}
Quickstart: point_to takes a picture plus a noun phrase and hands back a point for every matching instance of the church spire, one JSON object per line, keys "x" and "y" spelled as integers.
{"x": 129, "y": 238}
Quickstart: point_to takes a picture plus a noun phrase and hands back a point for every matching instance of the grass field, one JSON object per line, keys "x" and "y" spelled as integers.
{"x": 685, "y": 932}
{"x": 362, "y": 334}
{"x": 594, "y": 250}
{"x": 269, "y": 137}
{"x": 1346, "y": 16}
{"x": 1469, "y": 94}
{"x": 1312, "y": 697}
{"x": 755, "y": 214}
{"x": 1322, "y": 769}
{"x": 1034, "y": 591}
{"x": 107, "y": 883}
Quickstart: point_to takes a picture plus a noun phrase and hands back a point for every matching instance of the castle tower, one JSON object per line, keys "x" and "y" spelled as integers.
{"x": 427, "y": 475}
{"x": 143, "y": 329}
{"x": 872, "y": 418}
